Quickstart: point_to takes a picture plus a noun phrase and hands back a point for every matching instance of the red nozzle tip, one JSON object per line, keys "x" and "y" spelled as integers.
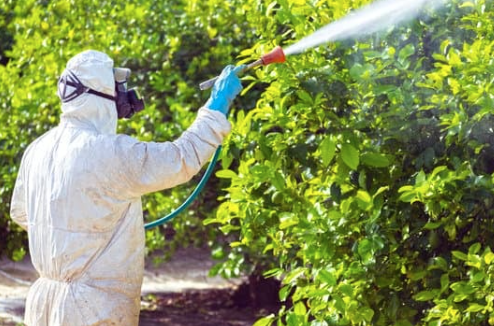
{"x": 275, "y": 56}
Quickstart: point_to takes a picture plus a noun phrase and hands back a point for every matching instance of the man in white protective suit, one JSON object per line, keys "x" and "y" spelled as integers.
{"x": 79, "y": 187}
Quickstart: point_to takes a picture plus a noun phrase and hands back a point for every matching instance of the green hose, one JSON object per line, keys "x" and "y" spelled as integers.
{"x": 192, "y": 196}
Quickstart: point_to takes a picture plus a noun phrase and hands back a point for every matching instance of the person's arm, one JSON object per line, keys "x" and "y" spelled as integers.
{"x": 18, "y": 203}
{"x": 151, "y": 166}
{"x": 155, "y": 166}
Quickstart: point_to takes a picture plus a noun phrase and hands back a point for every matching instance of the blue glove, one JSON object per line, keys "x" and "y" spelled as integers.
{"x": 225, "y": 89}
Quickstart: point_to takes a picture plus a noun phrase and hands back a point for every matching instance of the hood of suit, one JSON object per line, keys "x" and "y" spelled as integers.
{"x": 88, "y": 111}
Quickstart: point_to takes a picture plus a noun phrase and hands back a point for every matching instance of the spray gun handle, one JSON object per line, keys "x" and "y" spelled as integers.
{"x": 210, "y": 82}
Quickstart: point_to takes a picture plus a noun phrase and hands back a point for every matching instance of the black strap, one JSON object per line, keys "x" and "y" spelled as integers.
{"x": 109, "y": 97}
{"x": 71, "y": 80}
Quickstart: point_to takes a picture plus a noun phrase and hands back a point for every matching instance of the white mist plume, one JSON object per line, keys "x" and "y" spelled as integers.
{"x": 370, "y": 19}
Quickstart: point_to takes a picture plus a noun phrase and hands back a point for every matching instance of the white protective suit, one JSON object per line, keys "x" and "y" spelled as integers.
{"x": 78, "y": 194}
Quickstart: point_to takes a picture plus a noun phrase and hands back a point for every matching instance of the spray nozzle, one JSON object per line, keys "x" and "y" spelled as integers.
{"x": 274, "y": 56}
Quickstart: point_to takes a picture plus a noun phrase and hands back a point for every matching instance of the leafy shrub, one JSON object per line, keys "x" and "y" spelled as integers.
{"x": 364, "y": 175}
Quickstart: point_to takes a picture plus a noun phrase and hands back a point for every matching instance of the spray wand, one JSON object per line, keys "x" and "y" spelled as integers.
{"x": 274, "y": 56}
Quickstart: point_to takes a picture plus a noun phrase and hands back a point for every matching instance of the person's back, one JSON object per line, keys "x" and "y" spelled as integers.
{"x": 78, "y": 195}
{"x": 74, "y": 244}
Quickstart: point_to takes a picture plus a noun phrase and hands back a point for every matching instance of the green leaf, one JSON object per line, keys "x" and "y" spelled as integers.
{"x": 406, "y": 52}
{"x": 218, "y": 253}
{"x": 463, "y": 288}
{"x": 417, "y": 274}
{"x": 407, "y": 196}
{"x": 226, "y": 174}
{"x": 327, "y": 150}
{"x": 287, "y": 220}
{"x": 432, "y": 225}
{"x": 467, "y": 4}
{"x": 475, "y": 307}
{"x": 475, "y": 248}
{"x": 347, "y": 289}
{"x": 380, "y": 191}
{"x": 305, "y": 97}
{"x": 460, "y": 255}
{"x": 364, "y": 199}
{"x": 444, "y": 282}
{"x": 284, "y": 292}
{"x": 300, "y": 309}
{"x": 265, "y": 321}
{"x": 366, "y": 251}
{"x": 357, "y": 71}
{"x": 478, "y": 277}
{"x": 368, "y": 313}
{"x": 489, "y": 257}
{"x": 294, "y": 275}
{"x": 278, "y": 181}
{"x": 292, "y": 319}
{"x": 384, "y": 89}
{"x": 327, "y": 277}
{"x": 425, "y": 295}
{"x": 404, "y": 55}
{"x": 474, "y": 261}
{"x": 375, "y": 160}
{"x": 18, "y": 254}
{"x": 439, "y": 263}
{"x": 420, "y": 178}
{"x": 350, "y": 156}
{"x": 438, "y": 170}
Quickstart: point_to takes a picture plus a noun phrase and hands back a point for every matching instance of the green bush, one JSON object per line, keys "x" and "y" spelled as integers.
{"x": 364, "y": 177}
{"x": 359, "y": 173}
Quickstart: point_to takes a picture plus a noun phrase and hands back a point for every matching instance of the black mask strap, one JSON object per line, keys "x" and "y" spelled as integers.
{"x": 71, "y": 80}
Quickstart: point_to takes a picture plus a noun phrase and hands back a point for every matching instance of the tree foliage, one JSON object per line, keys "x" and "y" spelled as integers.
{"x": 359, "y": 173}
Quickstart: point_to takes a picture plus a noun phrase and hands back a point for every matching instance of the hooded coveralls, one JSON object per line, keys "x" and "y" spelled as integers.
{"x": 78, "y": 194}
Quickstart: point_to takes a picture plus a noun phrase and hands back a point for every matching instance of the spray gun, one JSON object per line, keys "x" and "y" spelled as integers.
{"x": 275, "y": 56}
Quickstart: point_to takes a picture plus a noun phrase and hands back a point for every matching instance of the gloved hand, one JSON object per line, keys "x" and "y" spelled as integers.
{"x": 225, "y": 89}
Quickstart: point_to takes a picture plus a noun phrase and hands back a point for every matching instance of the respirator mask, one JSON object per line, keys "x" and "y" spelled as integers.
{"x": 128, "y": 101}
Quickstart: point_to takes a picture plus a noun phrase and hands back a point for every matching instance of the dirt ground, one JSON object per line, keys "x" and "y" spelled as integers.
{"x": 196, "y": 308}
{"x": 176, "y": 293}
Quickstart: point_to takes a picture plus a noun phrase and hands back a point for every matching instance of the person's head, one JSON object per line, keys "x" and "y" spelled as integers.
{"x": 92, "y": 89}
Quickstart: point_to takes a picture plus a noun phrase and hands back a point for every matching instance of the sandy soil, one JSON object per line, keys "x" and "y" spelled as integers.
{"x": 176, "y": 293}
